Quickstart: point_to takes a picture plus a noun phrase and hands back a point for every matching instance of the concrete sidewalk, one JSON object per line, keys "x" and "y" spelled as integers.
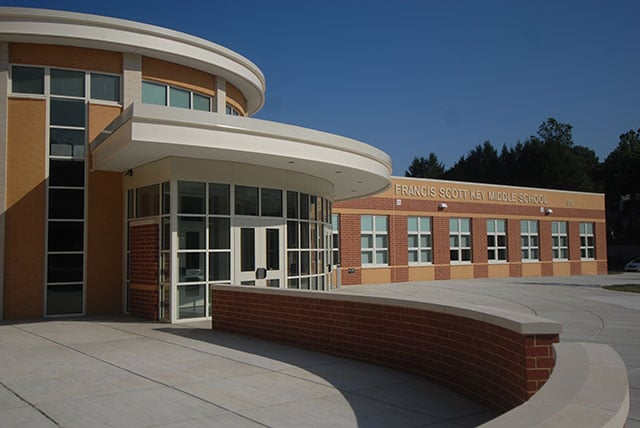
{"x": 587, "y": 312}
{"x": 125, "y": 373}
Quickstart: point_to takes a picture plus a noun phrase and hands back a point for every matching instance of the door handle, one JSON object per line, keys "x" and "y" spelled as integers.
{"x": 261, "y": 273}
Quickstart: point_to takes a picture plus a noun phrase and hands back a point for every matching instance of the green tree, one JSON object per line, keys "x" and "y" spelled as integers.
{"x": 422, "y": 167}
{"x": 481, "y": 164}
{"x": 622, "y": 189}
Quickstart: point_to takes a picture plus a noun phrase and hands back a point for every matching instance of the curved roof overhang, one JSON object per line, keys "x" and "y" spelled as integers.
{"x": 146, "y": 133}
{"x": 26, "y": 25}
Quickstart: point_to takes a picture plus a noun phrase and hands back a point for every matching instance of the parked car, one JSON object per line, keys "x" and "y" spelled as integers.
{"x": 633, "y": 265}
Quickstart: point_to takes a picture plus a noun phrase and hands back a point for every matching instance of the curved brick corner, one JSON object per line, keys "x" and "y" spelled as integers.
{"x": 498, "y": 358}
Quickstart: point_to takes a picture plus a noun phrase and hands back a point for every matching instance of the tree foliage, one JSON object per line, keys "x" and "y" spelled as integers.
{"x": 422, "y": 167}
{"x": 549, "y": 159}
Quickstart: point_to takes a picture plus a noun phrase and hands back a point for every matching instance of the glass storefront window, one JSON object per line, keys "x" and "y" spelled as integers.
{"x": 191, "y": 197}
{"x": 271, "y": 202}
{"x": 219, "y": 199}
{"x": 246, "y": 200}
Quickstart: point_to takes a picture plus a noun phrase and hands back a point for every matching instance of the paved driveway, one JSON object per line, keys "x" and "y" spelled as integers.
{"x": 588, "y": 312}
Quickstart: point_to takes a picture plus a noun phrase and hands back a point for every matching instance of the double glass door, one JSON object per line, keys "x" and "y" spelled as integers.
{"x": 259, "y": 252}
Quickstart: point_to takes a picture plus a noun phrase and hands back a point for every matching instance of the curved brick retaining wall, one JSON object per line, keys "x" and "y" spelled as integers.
{"x": 498, "y": 358}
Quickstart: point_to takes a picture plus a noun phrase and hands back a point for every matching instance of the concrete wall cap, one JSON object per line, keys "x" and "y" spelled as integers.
{"x": 589, "y": 387}
{"x": 519, "y": 323}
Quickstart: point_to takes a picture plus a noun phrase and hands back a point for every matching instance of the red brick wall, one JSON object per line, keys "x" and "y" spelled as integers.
{"x": 514, "y": 249}
{"x": 479, "y": 247}
{"x": 398, "y": 248}
{"x": 601, "y": 247}
{"x": 478, "y": 212}
{"x": 491, "y": 364}
{"x": 350, "y": 249}
{"x": 144, "y": 270}
{"x": 544, "y": 233}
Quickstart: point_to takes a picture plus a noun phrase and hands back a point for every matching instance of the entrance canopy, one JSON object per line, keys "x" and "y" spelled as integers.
{"x": 145, "y": 133}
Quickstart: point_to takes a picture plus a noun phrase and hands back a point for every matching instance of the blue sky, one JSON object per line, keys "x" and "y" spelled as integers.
{"x": 415, "y": 76}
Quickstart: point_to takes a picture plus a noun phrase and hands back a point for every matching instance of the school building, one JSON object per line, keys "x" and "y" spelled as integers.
{"x": 132, "y": 177}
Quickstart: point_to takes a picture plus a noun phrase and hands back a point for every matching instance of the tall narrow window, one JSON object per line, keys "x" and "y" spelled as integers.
{"x": 529, "y": 240}
{"x": 496, "y": 240}
{"x": 335, "y": 239}
{"x": 587, "y": 242}
{"x": 66, "y": 188}
{"x": 374, "y": 240}
{"x": 460, "y": 239}
{"x": 559, "y": 240}
{"x": 419, "y": 240}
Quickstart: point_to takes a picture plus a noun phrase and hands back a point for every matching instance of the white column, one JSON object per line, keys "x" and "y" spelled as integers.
{"x": 221, "y": 95}
{"x": 4, "y": 90}
{"x": 131, "y": 79}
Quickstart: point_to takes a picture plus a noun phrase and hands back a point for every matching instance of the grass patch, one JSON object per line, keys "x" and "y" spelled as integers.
{"x": 629, "y": 288}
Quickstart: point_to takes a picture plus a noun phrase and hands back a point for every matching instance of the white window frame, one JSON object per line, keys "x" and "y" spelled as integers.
{"x": 587, "y": 241}
{"x": 335, "y": 239}
{"x": 559, "y": 240}
{"x": 528, "y": 235}
{"x": 375, "y": 234}
{"x": 168, "y": 88}
{"x": 458, "y": 236}
{"x": 419, "y": 235}
{"x": 496, "y": 248}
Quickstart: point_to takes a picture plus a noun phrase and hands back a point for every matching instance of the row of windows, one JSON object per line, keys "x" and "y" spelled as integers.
{"x": 374, "y": 242}
{"x": 104, "y": 87}
{"x": 66, "y": 83}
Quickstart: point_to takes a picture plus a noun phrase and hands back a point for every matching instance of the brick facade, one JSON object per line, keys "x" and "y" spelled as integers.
{"x": 572, "y": 207}
{"x": 144, "y": 270}
{"x": 498, "y": 367}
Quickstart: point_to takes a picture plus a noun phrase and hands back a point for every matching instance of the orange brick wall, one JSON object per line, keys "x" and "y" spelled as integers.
{"x": 493, "y": 365}
{"x": 25, "y": 215}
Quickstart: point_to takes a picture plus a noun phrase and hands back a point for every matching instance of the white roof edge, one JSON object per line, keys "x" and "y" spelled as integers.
{"x": 252, "y": 74}
{"x": 245, "y": 125}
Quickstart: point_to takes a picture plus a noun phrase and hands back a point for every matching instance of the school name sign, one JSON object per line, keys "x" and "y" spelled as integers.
{"x": 470, "y": 194}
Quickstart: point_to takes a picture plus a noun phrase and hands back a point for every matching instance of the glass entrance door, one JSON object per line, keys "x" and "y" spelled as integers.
{"x": 259, "y": 252}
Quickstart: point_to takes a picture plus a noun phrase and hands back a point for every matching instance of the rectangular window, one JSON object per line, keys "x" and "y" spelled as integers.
{"x": 153, "y": 93}
{"x": 374, "y": 247}
{"x": 219, "y": 199}
{"x": 559, "y": 240}
{"x": 460, "y": 240}
{"x": 201, "y": 102}
{"x": 66, "y": 112}
{"x": 497, "y": 240}
{"x": 529, "y": 240}
{"x": 420, "y": 246}
{"x": 271, "y": 202}
{"x": 179, "y": 98}
{"x": 67, "y": 83}
{"x": 27, "y": 80}
{"x": 587, "y": 242}
{"x": 246, "y": 200}
{"x": 191, "y": 197}
{"x": 105, "y": 87}
{"x": 64, "y": 142}
{"x": 335, "y": 235}
{"x": 148, "y": 201}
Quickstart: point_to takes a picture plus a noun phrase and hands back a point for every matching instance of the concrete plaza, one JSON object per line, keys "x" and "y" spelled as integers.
{"x": 123, "y": 372}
